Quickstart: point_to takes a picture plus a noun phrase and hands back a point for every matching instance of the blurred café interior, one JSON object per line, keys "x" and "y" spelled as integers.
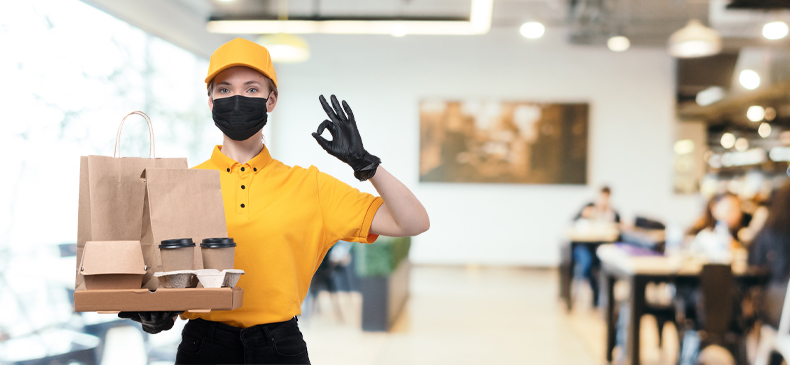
{"x": 607, "y": 180}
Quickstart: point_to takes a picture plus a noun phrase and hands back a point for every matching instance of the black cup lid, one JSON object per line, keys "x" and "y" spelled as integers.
{"x": 218, "y": 243}
{"x": 177, "y": 243}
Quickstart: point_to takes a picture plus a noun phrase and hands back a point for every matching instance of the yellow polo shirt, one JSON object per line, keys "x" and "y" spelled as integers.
{"x": 283, "y": 219}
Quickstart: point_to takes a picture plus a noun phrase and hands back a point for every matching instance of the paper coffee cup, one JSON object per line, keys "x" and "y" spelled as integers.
{"x": 218, "y": 253}
{"x": 177, "y": 254}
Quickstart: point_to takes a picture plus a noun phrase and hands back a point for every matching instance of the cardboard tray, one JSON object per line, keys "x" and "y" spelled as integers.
{"x": 198, "y": 300}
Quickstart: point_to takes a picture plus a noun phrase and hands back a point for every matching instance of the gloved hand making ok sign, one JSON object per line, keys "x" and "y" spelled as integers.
{"x": 346, "y": 144}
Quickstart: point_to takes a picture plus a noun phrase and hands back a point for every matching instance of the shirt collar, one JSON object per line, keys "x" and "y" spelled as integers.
{"x": 226, "y": 163}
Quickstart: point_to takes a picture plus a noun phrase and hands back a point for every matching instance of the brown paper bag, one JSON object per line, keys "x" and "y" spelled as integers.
{"x": 111, "y": 195}
{"x": 180, "y": 204}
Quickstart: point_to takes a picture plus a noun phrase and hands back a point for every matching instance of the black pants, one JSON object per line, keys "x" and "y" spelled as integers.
{"x": 207, "y": 342}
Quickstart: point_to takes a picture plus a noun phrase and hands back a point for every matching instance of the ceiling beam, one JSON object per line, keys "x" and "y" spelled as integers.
{"x": 734, "y": 107}
{"x": 478, "y": 22}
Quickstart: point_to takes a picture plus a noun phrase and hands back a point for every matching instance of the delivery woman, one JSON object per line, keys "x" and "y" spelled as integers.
{"x": 283, "y": 218}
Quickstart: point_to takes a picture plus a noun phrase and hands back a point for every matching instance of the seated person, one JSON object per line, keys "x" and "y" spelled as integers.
{"x": 716, "y": 239}
{"x": 771, "y": 249}
{"x": 599, "y": 210}
{"x": 722, "y": 207}
{"x": 757, "y": 208}
{"x": 722, "y": 220}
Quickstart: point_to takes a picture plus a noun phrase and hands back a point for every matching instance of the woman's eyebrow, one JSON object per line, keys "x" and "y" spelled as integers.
{"x": 252, "y": 82}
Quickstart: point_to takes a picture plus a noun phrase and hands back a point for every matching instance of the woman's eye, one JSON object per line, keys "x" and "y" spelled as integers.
{"x": 224, "y": 90}
{"x": 252, "y": 90}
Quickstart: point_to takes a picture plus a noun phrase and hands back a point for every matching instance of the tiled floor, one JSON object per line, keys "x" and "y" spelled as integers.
{"x": 474, "y": 316}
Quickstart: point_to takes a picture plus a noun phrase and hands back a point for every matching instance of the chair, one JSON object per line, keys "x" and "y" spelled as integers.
{"x": 662, "y": 314}
{"x": 775, "y": 341}
{"x": 716, "y": 284}
{"x": 715, "y": 315}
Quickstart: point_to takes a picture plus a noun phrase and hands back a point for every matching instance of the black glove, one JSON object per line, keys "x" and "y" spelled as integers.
{"x": 346, "y": 144}
{"x": 153, "y": 322}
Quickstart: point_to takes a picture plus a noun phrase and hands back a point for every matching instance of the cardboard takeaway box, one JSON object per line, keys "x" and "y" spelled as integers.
{"x": 113, "y": 272}
{"x": 112, "y": 265}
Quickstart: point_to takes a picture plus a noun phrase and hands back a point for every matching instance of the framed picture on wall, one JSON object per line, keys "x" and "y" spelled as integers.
{"x": 503, "y": 142}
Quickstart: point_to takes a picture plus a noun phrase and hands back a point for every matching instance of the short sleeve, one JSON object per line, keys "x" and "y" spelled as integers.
{"x": 347, "y": 212}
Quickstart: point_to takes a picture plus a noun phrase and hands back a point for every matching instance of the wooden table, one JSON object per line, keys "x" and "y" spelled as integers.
{"x": 640, "y": 270}
{"x": 567, "y": 264}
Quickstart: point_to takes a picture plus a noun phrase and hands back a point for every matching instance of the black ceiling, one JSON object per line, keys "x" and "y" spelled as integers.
{"x": 759, "y": 4}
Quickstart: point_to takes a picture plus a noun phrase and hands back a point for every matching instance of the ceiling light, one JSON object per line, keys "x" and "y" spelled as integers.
{"x": 684, "y": 146}
{"x": 618, "y": 43}
{"x": 399, "y": 30}
{"x": 726, "y": 159}
{"x": 755, "y": 113}
{"x": 532, "y": 30}
{"x": 727, "y": 140}
{"x": 479, "y": 23}
{"x": 775, "y": 30}
{"x": 770, "y": 113}
{"x": 694, "y": 40}
{"x": 780, "y": 154}
{"x": 749, "y": 79}
{"x": 741, "y": 144}
{"x": 764, "y": 130}
{"x": 709, "y": 96}
{"x": 285, "y": 48}
{"x": 715, "y": 161}
{"x": 754, "y": 156}
{"x": 480, "y": 15}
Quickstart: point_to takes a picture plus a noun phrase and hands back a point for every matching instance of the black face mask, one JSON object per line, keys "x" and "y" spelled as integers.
{"x": 239, "y": 117}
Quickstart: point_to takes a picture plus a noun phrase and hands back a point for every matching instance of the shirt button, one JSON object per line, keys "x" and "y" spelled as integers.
{"x": 242, "y": 186}
{"x": 228, "y": 169}
{"x": 242, "y": 169}
{"x": 242, "y": 205}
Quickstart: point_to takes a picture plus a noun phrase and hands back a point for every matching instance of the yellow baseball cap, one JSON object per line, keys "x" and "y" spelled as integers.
{"x": 241, "y": 52}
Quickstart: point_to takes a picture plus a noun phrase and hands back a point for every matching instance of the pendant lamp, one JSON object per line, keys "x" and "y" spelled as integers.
{"x": 285, "y": 48}
{"x": 694, "y": 40}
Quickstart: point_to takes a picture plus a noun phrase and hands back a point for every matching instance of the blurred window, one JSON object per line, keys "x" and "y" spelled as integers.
{"x": 70, "y": 73}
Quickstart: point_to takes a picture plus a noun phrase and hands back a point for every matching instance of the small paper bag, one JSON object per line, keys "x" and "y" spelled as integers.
{"x": 179, "y": 203}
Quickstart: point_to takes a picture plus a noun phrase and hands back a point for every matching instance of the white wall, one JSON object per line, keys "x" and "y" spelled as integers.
{"x": 384, "y": 78}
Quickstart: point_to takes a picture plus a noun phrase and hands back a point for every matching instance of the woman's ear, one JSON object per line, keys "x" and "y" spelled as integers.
{"x": 271, "y": 102}
{"x": 210, "y": 103}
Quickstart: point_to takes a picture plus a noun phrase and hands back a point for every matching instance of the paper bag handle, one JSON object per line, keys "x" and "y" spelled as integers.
{"x": 151, "y": 146}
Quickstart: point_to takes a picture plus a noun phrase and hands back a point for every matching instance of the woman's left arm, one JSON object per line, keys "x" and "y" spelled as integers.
{"x": 401, "y": 214}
